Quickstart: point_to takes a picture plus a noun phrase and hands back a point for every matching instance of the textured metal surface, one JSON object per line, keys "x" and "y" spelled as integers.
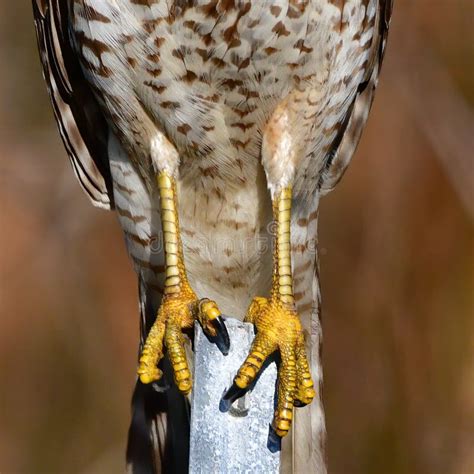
{"x": 236, "y": 441}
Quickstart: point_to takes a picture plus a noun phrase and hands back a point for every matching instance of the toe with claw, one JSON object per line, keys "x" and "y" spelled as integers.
{"x": 278, "y": 329}
{"x": 175, "y": 316}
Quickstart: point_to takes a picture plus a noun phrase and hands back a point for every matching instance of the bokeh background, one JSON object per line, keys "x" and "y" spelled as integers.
{"x": 396, "y": 255}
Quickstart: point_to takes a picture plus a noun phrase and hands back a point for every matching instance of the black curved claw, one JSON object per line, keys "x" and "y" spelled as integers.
{"x": 222, "y": 339}
{"x": 230, "y": 397}
{"x": 274, "y": 441}
{"x": 298, "y": 403}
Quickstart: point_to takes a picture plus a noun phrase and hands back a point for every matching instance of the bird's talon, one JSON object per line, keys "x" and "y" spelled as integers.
{"x": 221, "y": 338}
{"x": 278, "y": 329}
{"x": 176, "y": 315}
{"x": 230, "y": 396}
{"x": 274, "y": 440}
{"x": 213, "y": 324}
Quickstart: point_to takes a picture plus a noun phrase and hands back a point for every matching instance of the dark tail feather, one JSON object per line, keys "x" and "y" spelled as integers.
{"x": 141, "y": 458}
{"x": 158, "y": 437}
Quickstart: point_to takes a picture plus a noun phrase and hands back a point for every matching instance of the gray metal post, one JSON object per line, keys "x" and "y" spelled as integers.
{"x": 236, "y": 441}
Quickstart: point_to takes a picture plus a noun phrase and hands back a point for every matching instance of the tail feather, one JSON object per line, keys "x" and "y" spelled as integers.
{"x": 146, "y": 412}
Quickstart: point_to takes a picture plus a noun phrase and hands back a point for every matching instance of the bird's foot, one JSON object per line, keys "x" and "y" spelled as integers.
{"x": 279, "y": 329}
{"x": 176, "y": 315}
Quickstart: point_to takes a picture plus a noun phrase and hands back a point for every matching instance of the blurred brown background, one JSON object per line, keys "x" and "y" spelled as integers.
{"x": 396, "y": 256}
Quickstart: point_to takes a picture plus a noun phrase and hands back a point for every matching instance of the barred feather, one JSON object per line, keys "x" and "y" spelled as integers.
{"x": 81, "y": 123}
{"x": 349, "y": 136}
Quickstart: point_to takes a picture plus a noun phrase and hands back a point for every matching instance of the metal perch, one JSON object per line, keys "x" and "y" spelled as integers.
{"x": 235, "y": 441}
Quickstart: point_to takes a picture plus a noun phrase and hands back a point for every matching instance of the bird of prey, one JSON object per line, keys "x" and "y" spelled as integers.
{"x": 201, "y": 122}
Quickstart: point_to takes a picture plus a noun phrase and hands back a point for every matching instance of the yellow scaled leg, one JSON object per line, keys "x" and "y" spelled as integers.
{"x": 180, "y": 306}
{"x": 278, "y": 329}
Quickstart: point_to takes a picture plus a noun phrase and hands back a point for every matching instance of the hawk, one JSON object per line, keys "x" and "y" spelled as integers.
{"x": 201, "y": 122}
